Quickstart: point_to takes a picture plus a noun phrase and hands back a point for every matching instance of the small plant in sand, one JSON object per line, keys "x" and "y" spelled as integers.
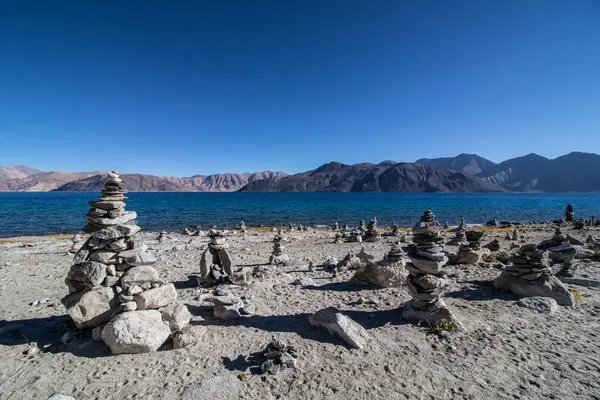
{"x": 442, "y": 326}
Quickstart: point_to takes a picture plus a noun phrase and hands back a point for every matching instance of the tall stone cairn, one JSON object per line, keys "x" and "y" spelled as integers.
{"x": 112, "y": 281}
{"x": 216, "y": 265}
{"x": 561, "y": 252}
{"x": 372, "y": 234}
{"x": 569, "y": 213}
{"x": 425, "y": 283}
{"x": 278, "y": 256}
{"x": 529, "y": 275}
{"x": 361, "y": 225}
{"x": 460, "y": 238}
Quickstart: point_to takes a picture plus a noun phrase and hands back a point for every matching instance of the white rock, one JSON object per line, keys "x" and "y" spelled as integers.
{"x": 92, "y": 308}
{"x": 156, "y": 298}
{"x": 60, "y": 397}
{"x": 177, "y": 316}
{"x": 339, "y": 324}
{"x": 544, "y": 305}
{"x": 130, "y": 306}
{"x": 136, "y": 332}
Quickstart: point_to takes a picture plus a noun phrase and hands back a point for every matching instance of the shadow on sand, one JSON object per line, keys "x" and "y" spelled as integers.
{"x": 483, "y": 290}
{"x": 342, "y": 287}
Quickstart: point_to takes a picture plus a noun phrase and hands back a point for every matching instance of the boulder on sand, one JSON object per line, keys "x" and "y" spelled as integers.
{"x": 340, "y": 325}
{"x": 92, "y": 308}
{"x": 136, "y": 332}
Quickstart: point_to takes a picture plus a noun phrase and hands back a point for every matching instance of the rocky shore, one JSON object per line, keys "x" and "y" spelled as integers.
{"x": 326, "y": 334}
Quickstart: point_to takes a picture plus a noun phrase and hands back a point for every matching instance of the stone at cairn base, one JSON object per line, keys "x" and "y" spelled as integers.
{"x": 434, "y": 315}
{"x": 136, "y": 332}
{"x": 389, "y": 272}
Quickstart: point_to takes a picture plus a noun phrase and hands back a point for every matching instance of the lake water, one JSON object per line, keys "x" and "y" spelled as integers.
{"x": 61, "y": 212}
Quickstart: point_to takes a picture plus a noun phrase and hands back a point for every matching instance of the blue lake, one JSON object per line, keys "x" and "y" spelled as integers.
{"x": 60, "y": 212}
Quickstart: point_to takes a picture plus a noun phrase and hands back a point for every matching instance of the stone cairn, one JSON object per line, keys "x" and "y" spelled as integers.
{"x": 278, "y": 256}
{"x": 530, "y": 276}
{"x": 515, "y": 234}
{"x": 216, "y": 265}
{"x": 395, "y": 229}
{"x": 279, "y": 357}
{"x": 228, "y": 307}
{"x": 460, "y": 237}
{"x": 361, "y": 225}
{"x": 561, "y": 252}
{"x": 77, "y": 243}
{"x": 113, "y": 287}
{"x": 472, "y": 252}
{"x": 569, "y": 213}
{"x": 389, "y": 272}
{"x": 424, "y": 281}
{"x": 242, "y": 227}
{"x": 372, "y": 233}
{"x": 336, "y": 226}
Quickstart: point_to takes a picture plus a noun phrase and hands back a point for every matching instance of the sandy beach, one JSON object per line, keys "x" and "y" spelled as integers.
{"x": 506, "y": 352}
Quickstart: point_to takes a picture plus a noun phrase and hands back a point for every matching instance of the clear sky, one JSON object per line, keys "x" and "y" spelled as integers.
{"x": 198, "y": 87}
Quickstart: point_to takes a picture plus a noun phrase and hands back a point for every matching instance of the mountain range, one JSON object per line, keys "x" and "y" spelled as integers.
{"x": 573, "y": 172}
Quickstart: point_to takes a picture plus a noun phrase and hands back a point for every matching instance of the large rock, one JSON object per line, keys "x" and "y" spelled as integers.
{"x": 139, "y": 276}
{"x": 116, "y": 232}
{"x": 551, "y": 287}
{"x": 382, "y": 274}
{"x": 137, "y": 257}
{"x": 544, "y": 305}
{"x": 89, "y": 273}
{"x": 467, "y": 255}
{"x": 136, "y": 332}
{"x": 432, "y": 315}
{"x": 177, "y": 316}
{"x": 156, "y": 298}
{"x": 104, "y": 257}
{"x": 429, "y": 266}
{"x": 340, "y": 325}
{"x": 92, "y": 308}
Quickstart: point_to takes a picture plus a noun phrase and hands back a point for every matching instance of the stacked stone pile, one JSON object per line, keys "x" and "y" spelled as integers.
{"x": 112, "y": 281}
{"x": 361, "y": 226}
{"x": 77, "y": 243}
{"x": 569, "y": 213}
{"x": 278, "y": 256}
{"x": 515, "y": 234}
{"x": 460, "y": 237}
{"x": 425, "y": 283}
{"x": 472, "y": 253}
{"x": 279, "y": 356}
{"x": 372, "y": 233}
{"x": 530, "y": 276}
{"x": 228, "y": 307}
{"x": 561, "y": 252}
{"x": 395, "y": 229}
{"x": 389, "y": 272}
{"x": 242, "y": 227}
{"x": 216, "y": 265}
{"x": 336, "y": 226}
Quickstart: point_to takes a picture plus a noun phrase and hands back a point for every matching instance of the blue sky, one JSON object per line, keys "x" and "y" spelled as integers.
{"x": 197, "y": 87}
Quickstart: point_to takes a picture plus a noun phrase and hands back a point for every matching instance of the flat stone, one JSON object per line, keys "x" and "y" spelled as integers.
{"x": 340, "y": 325}
{"x": 431, "y": 316}
{"x": 92, "y": 308}
{"x": 118, "y": 245}
{"x": 139, "y": 276}
{"x": 110, "y": 280}
{"x": 428, "y": 266}
{"x": 137, "y": 257}
{"x": 544, "y": 305}
{"x": 177, "y": 316}
{"x": 90, "y": 273}
{"x": 136, "y": 332}
{"x": 227, "y": 312}
{"x": 156, "y": 298}
{"x": 104, "y": 257}
{"x": 551, "y": 287}
{"x": 107, "y": 205}
{"x": 122, "y": 219}
{"x": 116, "y": 232}
{"x": 225, "y": 300}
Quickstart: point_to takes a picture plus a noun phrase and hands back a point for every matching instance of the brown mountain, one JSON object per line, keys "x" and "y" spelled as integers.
{"x": 151, "y": 183}
{"x": 470, "y": 164}
{"x": 43, "y": 181}
{"x": 367, "y": 177}
{"x": 16, "y": 172}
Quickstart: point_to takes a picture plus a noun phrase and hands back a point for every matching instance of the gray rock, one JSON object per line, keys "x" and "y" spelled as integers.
{"x": 573, "y": 240}
{"x": 544, "y": 305}
{"x": 116, "y": 232}
{"x": 110, "y": 281}
{"x": 118, "y": 245}
{"x": 583, "y": 253}
{"x": 136, "y": 332}
{"x": 97, "y": 333}
{"x": 60, "y": 397}
{"x": 92, "y": 308}
{"x": 122, "y": 219}
{"x": 107, "y": 205}
{"x": 89, "y": 273}
{"x": 229, "y": 312}
{"x": 135, "y": 289}
{"x": 156, "y": 298}
{"x": 339, "y": 324}
{"x": 225, "y": 300}
{"x": 129, "y": 306}
{"x": 385, "y": 273}
{"x": 432, "y": 315}
{"x": 177, "y": 316}
{"x": 137, "y": 257}
{"x": 139, "y": 276}
{"x": 551, "y": 287}
{"x": 221, "y": 387}
{"x": 304, "y": 281}
{"x": 111, "y": 270}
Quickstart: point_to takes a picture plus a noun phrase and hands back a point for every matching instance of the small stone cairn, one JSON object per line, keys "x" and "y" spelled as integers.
{"x": 278, "y": 256}
{"x": 561, "y": 252}
{"x": 279, "y": 356}
{"x": 242, "y": 227}
{"x": 228, "y": 307}
{"x": 425, "y": 283}
{"x": 460, "y": 237}
{"x": 77, "y": 243}
{"x": 395, "y": 229}
{"x": 515, "y": 234}
{"x": 530, "y": 276}
{"x": 472, "y": 253}
{"x": 389, "y": 272}
{"x": 361, "y": 226}
{"x": 569, "y": 213}
{"x": 113, "y": 287}
{"x": 372, "y": 233}
{"x": 216, "y": 265}
{"x": 336, "y": 226}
